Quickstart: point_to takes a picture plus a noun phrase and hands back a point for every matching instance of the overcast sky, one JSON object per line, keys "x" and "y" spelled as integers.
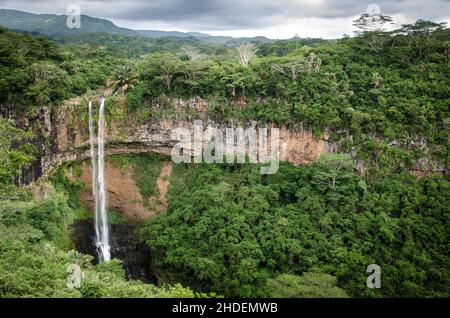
{"x": 270, "y": 18}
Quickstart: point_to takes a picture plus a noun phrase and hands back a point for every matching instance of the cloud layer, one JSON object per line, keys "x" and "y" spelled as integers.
{"x": 277, "y": 18}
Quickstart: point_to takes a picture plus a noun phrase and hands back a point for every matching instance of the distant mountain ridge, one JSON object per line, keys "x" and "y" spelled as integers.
{"x": 53, "y": 25}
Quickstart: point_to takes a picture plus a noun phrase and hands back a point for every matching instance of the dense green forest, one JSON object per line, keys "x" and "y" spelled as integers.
{"x": 234, "y": 231}
{"x": 307, "y": 231}
{"x": 36, "y": 247}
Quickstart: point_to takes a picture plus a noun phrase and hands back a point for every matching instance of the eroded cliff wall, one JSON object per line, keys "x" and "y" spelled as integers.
{"x": 66, "y": 138}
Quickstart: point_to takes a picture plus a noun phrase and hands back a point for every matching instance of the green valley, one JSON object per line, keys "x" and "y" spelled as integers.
{"x": 364, "y": 177}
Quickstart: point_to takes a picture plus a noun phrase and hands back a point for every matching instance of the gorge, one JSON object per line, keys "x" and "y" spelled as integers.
{"x": 363, "y": 174}
{"x": 70, "y": 142}
{"x": 71, "y": 136}
{"x": 68, "y": 137}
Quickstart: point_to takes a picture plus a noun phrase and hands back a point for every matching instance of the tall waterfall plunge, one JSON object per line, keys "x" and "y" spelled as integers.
{"x": 98, "y": 182}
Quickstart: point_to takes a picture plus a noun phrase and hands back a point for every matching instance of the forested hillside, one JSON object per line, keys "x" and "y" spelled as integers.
{"x": 232, "y": 231}
{"x": 54, "y": 26}
{"x": 307, "y": 231}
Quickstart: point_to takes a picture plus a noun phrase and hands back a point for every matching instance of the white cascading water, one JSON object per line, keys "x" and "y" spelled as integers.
{"x": 98, "y": 183}
{"x": 94, "y": 164}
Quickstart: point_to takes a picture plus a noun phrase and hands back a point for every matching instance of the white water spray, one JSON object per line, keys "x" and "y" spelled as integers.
{"x": 94, "y": 164}
{"x": 98, "y": 183}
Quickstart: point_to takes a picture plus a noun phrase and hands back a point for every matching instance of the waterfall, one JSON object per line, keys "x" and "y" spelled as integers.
{"x": 94, "y": 164}
{"x": 102, "y": 217}
{"x": 98, "y": 183}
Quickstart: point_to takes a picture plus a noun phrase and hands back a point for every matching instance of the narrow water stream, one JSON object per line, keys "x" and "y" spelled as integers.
{"x": 102, "y": 241}
{"x": 124, "y": 246}
{"x": 98, "y": 238}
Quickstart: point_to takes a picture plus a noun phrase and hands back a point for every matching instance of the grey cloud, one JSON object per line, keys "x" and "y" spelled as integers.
{"x": 233, "y": 14}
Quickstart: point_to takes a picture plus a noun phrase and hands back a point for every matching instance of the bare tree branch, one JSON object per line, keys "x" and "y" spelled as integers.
{"x": 246, "y": 53}
{"x": 192, "y": 53}
{"x": 294, "y": 68}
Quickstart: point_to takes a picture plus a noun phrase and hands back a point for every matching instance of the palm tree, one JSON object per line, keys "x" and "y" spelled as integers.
{"x": 122, "y": 80}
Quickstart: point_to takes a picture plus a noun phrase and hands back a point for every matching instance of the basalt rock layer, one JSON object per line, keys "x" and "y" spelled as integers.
{"x": 63, "y": 137}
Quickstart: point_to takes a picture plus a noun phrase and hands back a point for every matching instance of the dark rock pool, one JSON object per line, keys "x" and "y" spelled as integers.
{"x": 125, "y": 246}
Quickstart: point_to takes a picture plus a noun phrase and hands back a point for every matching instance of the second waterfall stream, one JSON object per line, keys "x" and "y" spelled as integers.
{"x": 97, "y": 152}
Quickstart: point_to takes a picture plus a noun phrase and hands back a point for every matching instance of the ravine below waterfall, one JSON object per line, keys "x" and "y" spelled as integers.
{"x": 125, "y": 246}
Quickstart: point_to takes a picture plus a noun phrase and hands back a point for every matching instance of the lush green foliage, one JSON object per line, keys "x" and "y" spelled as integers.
{"x": 122, "y": 80}
{"x": 231, "y": 230}
{"x": 35, "y": 244}
{"x": 12, "y": 160}
{"x": 38, "y": 72}
{"x": 136, "y": 46}
{"x": 383, "y": 96}
{"x": 398, "y": 92}
{"x": 34, "y": 259}
{"x": 309, "y": 285}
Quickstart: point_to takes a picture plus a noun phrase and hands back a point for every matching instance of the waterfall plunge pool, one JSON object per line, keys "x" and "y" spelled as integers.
{"x": 125, "y": 246}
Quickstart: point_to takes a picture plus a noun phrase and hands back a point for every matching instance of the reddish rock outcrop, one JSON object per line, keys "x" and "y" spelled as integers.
{"x": 122, "y": 191}
{"x": 71, "y": 139}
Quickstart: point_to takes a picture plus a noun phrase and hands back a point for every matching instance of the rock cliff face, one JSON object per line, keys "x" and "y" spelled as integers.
{"x": 123, "y": 192}
{"x": 65, "y": 138}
